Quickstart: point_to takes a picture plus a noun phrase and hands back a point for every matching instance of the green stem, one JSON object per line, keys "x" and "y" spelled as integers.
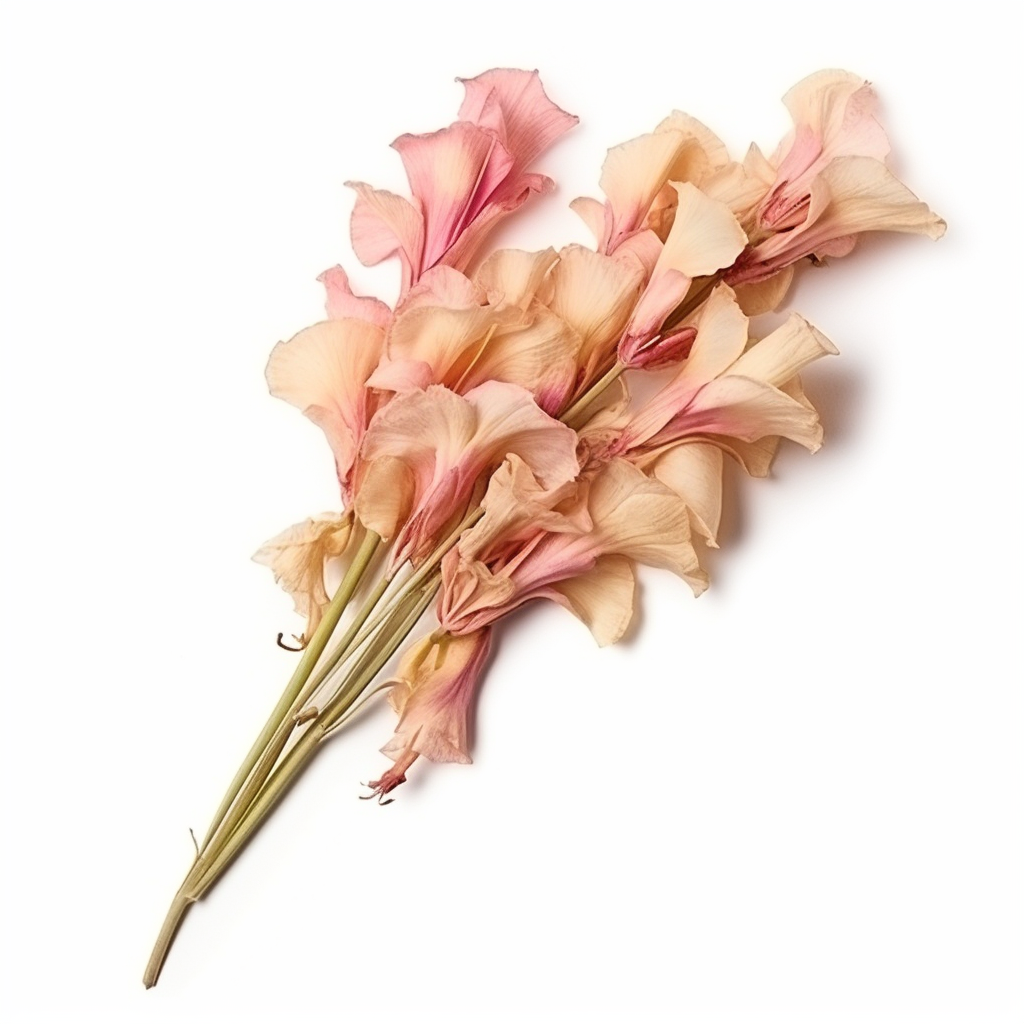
{"x": 592, "y": 393}
{"x": 298, "y": 757}
{"x": 310, "y": 656}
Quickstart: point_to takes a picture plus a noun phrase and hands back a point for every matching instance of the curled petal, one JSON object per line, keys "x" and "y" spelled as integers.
{"x": 343, "y": 304}
{"x": 434, "y": 689}
{"x": 694, "y": 472}
{"x": 512, "y": 104}
{"x": 323, "y": 371}
{"x": 297, "y": 557}
{"x": 384, "y": 224}
{"x": 513, "y": 277}
{"x": 602, "y": 599}
{"x": 453, "y": 173}
{"x": 784, "y": 353}
{"x": 595, "y": 295}
{"x": 448, "y": 444}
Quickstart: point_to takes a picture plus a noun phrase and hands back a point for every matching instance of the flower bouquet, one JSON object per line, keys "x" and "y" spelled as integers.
{"x": 487, "y": 446}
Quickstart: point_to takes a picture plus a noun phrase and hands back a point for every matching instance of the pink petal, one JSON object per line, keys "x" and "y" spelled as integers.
{"x": 384, "y": 225}
{"x": 343, "y": 304}
{"x": 453, "y": 173}
{"x": 513, "y": 105}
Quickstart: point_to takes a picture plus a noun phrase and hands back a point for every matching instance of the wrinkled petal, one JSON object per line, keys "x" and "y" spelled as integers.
{"x": 448, "y": 445}
{"x": 442, "y": 286}
{"x": 434, "y": 688}
{"x": 453, "y": 173}
{"x": 694, "y": 472}
{"x": 595, "y": 295}
{"x": 513, "y": 104}
{"x": 513, "y": 277}
{"x": 297, "y": 557}
{"x": 602, "y": 599}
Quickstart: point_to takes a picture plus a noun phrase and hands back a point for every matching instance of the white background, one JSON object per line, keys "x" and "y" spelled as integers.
{"x": 798, "y": 799}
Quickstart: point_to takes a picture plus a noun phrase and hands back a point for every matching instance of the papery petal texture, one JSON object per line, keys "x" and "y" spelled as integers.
{"x": 297, "y": 557}
{"x": 446, "y": 445}
{"x": 433, "y": 691}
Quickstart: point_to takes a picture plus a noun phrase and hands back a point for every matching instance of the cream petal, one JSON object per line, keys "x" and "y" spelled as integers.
{"x": 514, "y": 277}
{"x": 517, "y": 506}
{"x": 866, "y": 196}
{"x": 755, "y": 457}
{"x": 539, "y": 355}
{"x": 784, "y": 353}
{"x": 765, "y": 296}
{"x": 602, "y": 599}
{"x": 443, "y": 286}
{"x": 721, "y": 339}
{"x": 702, "y": 152}
{"x": 632, "y": 176}
{"x": 322, "y": 371}
{"x": 343, "y": 304}
{"x": 297, "y": 557}
{"x": 598, "y": 218}
{"x": 694, "y": 472}
{"x": 386, "y": 495}
{"x": 595, "y": 295}
{"x": 643, "y": 519}
{"x": 384, "y": 224}
{"x": 439, "y": 336}
{"x": 705, "y": 236}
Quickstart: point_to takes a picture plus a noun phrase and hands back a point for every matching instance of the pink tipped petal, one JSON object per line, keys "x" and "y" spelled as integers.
{"x": 343, "y": 304}
{"x": 748, "y": 410}
{"x": 513, "y": 104}
{"x": 632, "y": 176}
{"x": 452, "y": 172}
{"x": 850, "y": 196}
{"x": 433, "y": 691}
{"x": 508, "y": 421}
{"x": 447, "y": 444}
